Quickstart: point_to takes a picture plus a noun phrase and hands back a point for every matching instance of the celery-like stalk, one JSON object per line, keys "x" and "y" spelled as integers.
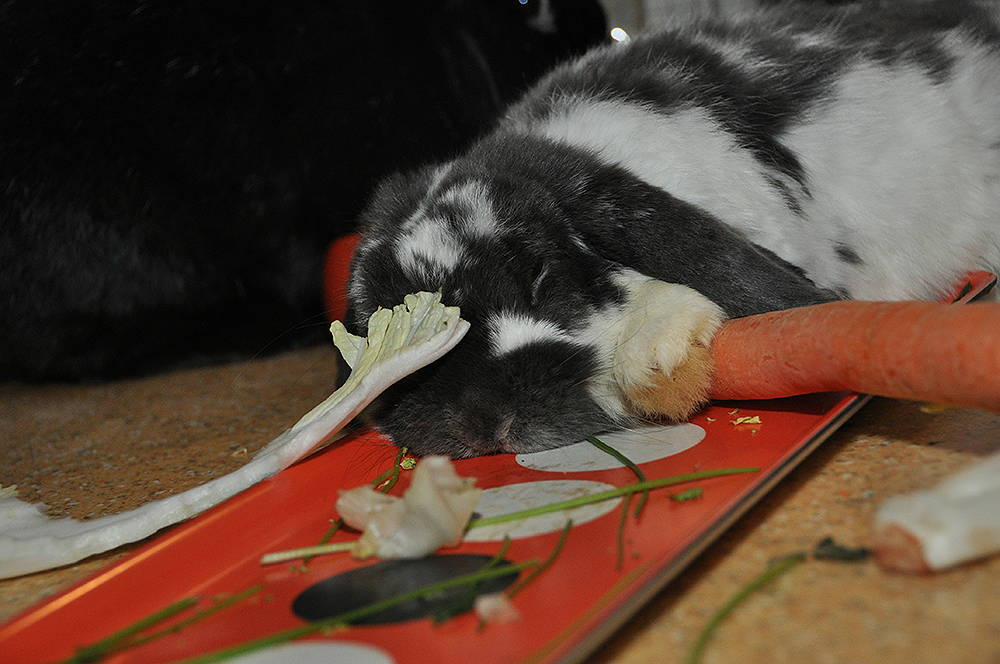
{"x": 399, "y": 342}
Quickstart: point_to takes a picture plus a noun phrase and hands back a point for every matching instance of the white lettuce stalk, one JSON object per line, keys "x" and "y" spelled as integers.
{"x": 399, "y": 342}
{"x": 432, "y": 513}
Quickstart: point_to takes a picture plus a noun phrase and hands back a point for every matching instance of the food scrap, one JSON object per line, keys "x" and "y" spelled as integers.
{"x": 746, "y": 420}
{"x": 399, "y": 342}
{"x": 955, "y": 522}
{"x": 828, "y": 549}
{"x": 432, "y": 513}
{"x": 689, "y": 494}
{"x": 496, "y": 608}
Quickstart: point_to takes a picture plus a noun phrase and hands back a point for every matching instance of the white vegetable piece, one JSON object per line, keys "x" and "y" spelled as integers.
{"x": 496, "y": 609}
{"x": 955, "y": 522}
{"x": 432, "y": 513}
{"x": 399, "y": 342}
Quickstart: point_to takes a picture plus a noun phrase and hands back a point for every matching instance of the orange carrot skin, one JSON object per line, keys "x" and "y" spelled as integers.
{"x": 908, "y": 350}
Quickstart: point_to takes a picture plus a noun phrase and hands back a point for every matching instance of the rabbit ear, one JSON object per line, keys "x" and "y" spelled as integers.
{"x": 637, "y": 225}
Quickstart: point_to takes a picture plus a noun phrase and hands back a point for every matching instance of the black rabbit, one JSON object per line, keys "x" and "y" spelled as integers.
{"x": 171, "y": 173}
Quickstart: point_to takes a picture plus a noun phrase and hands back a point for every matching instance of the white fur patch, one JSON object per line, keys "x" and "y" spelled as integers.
{"x": 478, "y": 219}
{"x": 660, "y": 324}
{"x": 512, "y": 331}
{"x": 687, "y": 155}
{"x": 903, "y": 171}
{"x": 600, "y": 334}
{"x": 428, "y": 247}
{"x": 653, "y": 332}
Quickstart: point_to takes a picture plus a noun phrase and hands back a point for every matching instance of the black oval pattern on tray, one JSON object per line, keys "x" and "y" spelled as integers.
{"x": 360, "y": 587}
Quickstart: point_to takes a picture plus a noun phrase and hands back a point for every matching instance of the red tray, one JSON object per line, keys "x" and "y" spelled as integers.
{"x": 565, "y": 614}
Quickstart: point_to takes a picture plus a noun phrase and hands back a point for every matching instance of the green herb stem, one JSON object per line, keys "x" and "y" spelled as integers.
{"x": 201, "y": 615}
{"x": 544, "y": 565}
{"x": 468, "y": 599}
{"x": 348, "y": 617}
{"x": 688, "y": 494}
{"x": 97, "y": 651}
{"x": 604, "y": 447}
{"x": 600, "y": 496}
{"x": 620, "y": 535}
{"x": 334, "y": 529}
{"x": 131, "y": 636}
{"x": 388, "y": 479}
{"x": 772, "y": 573}
{"x": 306, "y": 552}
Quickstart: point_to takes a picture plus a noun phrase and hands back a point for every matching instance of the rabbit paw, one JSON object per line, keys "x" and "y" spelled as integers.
{"x": 663, "y": 361}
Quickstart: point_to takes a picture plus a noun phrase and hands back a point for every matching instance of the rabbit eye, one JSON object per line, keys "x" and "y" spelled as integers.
{"x": 536, "y": 285}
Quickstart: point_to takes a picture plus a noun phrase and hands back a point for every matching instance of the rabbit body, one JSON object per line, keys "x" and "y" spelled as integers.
{"x": 639, "y": 195}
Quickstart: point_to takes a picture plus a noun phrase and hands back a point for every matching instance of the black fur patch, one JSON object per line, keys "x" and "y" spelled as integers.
{"x": 847, "y": 254}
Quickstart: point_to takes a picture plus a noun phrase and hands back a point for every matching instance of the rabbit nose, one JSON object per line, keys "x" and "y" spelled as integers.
{"x": 493, "y": 435}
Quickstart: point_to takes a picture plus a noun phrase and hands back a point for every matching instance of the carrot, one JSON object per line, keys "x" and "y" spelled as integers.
{"x": 336, "y": 269}
{"x": 909, "y": 350}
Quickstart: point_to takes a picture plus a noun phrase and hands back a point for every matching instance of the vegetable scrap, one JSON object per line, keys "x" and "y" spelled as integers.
{"x": 496, "y": 608}
{"x": 705, "y": 636}
{"x": 399, "y": 342}
{"x": 955, "y": 522}
{"x": 433, "y": 512}
{"x": 137, "y": 634}
{"x": 383, "y": 483}
{"x": 826, "y": 549}
{"x": 689, "y": 494}
{"x": 746, "y": 420}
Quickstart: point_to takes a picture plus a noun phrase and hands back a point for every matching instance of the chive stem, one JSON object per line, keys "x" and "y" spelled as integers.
{"x": 769, "y": 575}
{"x": 620, "y": 536}
{"x": 468, "y": 598}
{"x": 600, "y": 496}
{"x": 200, "y": 615}
{"x": 97, "y": 651}
{"x": 347, "y": 617}
{"x": 604, "y": 447}
{"x": 545, "y": 564}
{"x": 388, "y": 479}
{"x": 130, "y": 636}
{"x": 306, "y": 552}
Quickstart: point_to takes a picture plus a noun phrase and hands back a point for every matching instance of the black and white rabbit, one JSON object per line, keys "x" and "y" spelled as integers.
{"x": 644, "y": 192}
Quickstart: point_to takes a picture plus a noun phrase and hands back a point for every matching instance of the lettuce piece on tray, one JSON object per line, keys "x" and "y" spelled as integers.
{"x": 400, "y": 341}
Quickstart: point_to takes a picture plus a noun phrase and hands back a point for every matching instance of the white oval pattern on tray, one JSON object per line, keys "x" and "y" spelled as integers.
{"x": 516, "y": 497}
{"x": 640, "y": 445}
{"x": 317, "y": 652}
